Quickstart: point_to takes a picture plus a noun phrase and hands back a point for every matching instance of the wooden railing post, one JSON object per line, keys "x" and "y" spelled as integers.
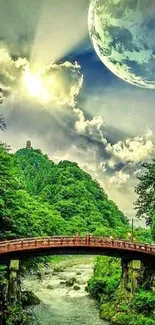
{"x": 87, "y": 239}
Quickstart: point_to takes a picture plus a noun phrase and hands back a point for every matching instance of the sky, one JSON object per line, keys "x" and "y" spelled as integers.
{"x": 75, "y": 109}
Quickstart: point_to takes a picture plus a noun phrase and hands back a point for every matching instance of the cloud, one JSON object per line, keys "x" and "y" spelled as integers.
{"x": 65, "y": 131}
{"x": 10, "y": 73}
{"x": 119, "y": 179}
{"x": 56, "y": 83}
{"x": 63, "y": 82}
{"x": 129, "y": 151}
{"x": 90, "y": 127}
{"x": 132, "y": 150}
{"x": 70, "y": 134}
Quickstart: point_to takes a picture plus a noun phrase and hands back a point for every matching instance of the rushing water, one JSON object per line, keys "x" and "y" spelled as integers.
{"x": 61, "y": 305}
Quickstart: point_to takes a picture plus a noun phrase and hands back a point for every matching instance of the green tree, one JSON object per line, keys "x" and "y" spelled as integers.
{"x": 145, "y": 204}
{"x": 22, "y": 215}
{"x": 9, "y": 186}
{"x": 69, "y": 190}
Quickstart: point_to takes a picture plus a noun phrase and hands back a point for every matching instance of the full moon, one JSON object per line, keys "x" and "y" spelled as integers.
{"x": 123, "y": 35}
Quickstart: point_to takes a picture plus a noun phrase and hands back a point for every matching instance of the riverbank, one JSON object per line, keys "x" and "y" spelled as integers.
{"x": 120, "y": 305}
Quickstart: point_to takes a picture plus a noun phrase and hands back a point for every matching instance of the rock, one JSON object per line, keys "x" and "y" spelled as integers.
{"x": 58, "y": 269}
{"x": 70, "y": 282}
{"x": 62, "y": 282}
{"x": 29, "y": 299}
{"x": 76, "y": 287}
{"x": 50, "y": 287}
{"x": 78, "y": 273}
{"x": 86, "y": 289}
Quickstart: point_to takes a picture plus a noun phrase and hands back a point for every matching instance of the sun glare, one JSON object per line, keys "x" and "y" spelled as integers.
{"x": 35, "y": 86}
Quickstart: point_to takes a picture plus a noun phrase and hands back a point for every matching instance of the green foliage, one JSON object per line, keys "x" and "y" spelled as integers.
{"x": 3, "y": 286}
{"x": 9, "y": 187}
{"x": 131, "y": 319}
{"x": 40, "y": 198}
{"x": 68, "y": 190}
{"x": 143, "y": 235}
{"x": 119, "y": 232}
{"x": 145, "y": 204}
{"x": 144, "y": 302}
{"x": 106, "y": 278}
{"x": 21, "y": 214}
{"x": 15, "y": 315}
{"x": 116, "y": 305}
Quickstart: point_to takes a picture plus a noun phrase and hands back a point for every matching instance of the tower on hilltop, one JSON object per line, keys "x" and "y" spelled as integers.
{"x": 28, "y": 144}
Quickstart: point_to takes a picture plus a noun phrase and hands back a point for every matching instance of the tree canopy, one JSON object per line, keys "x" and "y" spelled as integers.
{"x": 145, "y": 204}
{"x": 69, "y": 190}
{"x": 41, "y": 198}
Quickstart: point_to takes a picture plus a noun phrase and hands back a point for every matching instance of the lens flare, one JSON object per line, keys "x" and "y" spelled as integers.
{"x": 35, "y": 86}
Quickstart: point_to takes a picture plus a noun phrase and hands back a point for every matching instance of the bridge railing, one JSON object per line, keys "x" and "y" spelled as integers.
{"x": 25, "y": 244}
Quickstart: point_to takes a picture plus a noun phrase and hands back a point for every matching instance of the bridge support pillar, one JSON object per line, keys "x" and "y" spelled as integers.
{"x": 130, "y": 275}
{"x": 13, "y": 282}
{"x": 134, "y": 269}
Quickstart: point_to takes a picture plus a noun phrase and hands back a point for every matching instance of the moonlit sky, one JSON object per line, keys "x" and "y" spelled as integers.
{"x": 91, "y": 117}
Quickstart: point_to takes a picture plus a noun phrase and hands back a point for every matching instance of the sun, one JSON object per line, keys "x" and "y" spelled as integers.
{"x": 35, "y": 86}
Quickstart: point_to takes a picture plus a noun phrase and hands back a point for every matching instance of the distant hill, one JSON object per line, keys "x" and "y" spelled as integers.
{"x": 70, "y": 191}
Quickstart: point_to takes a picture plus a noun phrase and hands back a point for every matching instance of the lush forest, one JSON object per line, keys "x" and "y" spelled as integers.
{"x": 41, "y": 198}
{"x": 145, "y": 204}
{"x": 118, "y": 305}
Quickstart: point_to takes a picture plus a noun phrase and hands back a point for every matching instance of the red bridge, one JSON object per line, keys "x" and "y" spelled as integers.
{"x": 22, "y": 248}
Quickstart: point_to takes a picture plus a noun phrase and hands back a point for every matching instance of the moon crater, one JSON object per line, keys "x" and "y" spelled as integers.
{"x": 123, "y": 36}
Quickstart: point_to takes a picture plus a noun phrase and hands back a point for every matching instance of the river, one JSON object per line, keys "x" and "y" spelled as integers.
{"x": 62, "y": 305}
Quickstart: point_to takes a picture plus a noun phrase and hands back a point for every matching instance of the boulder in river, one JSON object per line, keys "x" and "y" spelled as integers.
{"x": 29, "y": 299}
{"x": 50, "y": 287}
{"x": 58, "y": 269}
{"x": 70, "y": 282}
{"x": 76, "y": 287}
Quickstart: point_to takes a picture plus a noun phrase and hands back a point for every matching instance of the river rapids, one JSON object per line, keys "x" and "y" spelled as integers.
{"x": 62, "y": 305}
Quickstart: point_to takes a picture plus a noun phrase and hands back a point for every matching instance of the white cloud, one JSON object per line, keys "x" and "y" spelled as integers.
{"x": 63, "y": 82}
{"x": 119, "y": 179}
{"x": 59, "y": 83}
{"x": 133, "y": 150}
{"x": 90, "y": 127}
{"x": 10, "y": 73}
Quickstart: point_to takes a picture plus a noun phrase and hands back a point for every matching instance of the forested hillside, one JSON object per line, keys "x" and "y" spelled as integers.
{"x": 40, "y": 198}
{"x": 69, "y": 190}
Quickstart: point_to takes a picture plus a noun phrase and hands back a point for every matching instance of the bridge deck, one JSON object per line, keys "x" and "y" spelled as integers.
{"x": 95, "y": 244}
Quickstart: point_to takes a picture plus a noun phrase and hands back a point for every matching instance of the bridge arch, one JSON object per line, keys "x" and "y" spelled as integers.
{"x": 31, "y": 247}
